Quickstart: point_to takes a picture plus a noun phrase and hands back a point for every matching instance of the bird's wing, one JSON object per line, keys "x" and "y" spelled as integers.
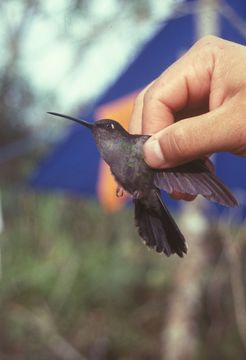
{"x": 195, "y": 178}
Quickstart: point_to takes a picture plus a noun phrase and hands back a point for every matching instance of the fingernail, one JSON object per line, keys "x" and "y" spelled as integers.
{"x": 153, "y": 154}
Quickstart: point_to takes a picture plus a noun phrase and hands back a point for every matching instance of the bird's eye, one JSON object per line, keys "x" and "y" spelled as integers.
{"x": 111, "y": 126}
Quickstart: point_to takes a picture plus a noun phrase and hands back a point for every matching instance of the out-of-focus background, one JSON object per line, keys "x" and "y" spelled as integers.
{"x": 75, "y": 280}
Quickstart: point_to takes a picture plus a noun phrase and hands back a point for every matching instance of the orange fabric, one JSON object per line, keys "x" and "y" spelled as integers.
{"x": 119, "y": 110}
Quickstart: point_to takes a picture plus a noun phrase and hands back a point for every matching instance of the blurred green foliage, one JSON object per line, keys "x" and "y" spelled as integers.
{"x": 75, "y": 281}
{"x": 71, "y": 271}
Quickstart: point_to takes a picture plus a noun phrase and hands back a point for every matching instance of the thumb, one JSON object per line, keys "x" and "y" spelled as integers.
{"x": 188, "y": 139}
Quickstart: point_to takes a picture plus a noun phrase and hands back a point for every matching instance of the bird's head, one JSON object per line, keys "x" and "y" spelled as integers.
{"x": 109, "y": 134}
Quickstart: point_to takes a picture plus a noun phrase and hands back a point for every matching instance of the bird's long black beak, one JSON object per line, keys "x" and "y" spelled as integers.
{"x": 82, "y": 122}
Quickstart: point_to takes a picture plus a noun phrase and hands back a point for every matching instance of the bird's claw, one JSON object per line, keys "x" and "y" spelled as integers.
{"x": 137, "y": 194}
{"x": 119, "y": 191}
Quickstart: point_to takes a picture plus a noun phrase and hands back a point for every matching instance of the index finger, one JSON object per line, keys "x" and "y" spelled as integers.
{"x": 186, "y": 83}
{"x": 135, "y": 122}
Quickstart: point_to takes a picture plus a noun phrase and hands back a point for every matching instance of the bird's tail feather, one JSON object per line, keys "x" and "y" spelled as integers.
{"x": 156, "y": 226}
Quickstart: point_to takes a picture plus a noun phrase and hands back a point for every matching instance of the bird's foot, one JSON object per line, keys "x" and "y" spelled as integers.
{"x": 119, "y": 191}
{"x": 137, "y": 194}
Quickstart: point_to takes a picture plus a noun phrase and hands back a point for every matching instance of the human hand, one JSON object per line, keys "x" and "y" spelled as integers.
{"x": 206, "y": 88}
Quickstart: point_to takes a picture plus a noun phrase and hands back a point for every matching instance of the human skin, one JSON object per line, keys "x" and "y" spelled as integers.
{"x": 196, "y": 107}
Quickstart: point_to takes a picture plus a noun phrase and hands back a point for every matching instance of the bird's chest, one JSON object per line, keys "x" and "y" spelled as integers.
{"x": 132, "y": 173}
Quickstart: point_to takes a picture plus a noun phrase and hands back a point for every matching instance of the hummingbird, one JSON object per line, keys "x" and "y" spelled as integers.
{"x": 123, "y": 152}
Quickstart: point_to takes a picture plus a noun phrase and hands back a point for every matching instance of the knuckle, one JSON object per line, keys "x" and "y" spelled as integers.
{"x": 178, "y": 140}
{"x": 149, "y": 95}
{"x": 207, "y": 40}
{"x": 176, "y": 146}
{"x": 209, "y": 44}
{"x": 207, "y": 50}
